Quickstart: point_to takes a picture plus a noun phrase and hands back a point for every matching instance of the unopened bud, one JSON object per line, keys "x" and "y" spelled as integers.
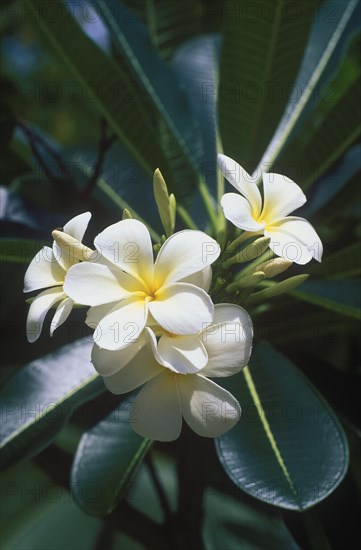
{"x": 72, "y": 246}
{"x": 250, "y": 252}
{"x": 247, "y": 281}
{"x": 163, "y": 202}
{"x": 274, "y": 267}
{"x": 126, "y": 214}
{"x": 278, "y": 288}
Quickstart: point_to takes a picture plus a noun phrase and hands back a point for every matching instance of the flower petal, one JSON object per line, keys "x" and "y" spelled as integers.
{"x": 238, "y": 211}
{"x": 294, "y": 239}
{"x": 127, "y": 245}
{"x": 184, "y": 254}
{"x": 95, "y": 314}
{"x": 228, "y": 340}
{"x": 39, "y": 307}
{"x": 142, "y": 368}
{"x": 158, "y": 413}
{"x": 107, "y": 363}
{"x": 93, "y": 284}
{"x": 123, "y": 324}
{"x": 43, "y": 271}
{"x": 202, "y": 279}
{"x": 181, "y": 354}
{"x": 76, "y": 228}
{"x": 281, "y": 196}
{"x": 62, "y": 313}
{"x": 182, "y": 308}
{"x": 242, "y": 181}
{"x": 208, "y": 409}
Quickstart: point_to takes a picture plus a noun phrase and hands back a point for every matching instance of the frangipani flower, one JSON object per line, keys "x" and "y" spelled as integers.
{"x": 291, "y": 237}
{"x": 135, "y": 286}
{"x": 48, "y": 269}
{"x": 175, "y": 374}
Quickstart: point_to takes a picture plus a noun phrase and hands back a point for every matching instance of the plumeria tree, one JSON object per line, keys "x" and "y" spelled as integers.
{"x": 179, "y": 209}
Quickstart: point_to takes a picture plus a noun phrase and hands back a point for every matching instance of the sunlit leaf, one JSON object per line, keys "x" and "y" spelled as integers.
{"x": 108, "y": 455}
{"x": 41, "y": 396}
{"x": 288, "y": 449}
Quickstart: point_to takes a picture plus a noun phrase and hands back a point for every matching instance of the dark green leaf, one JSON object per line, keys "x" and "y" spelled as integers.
{"x": 331, "y": 127}
{"x": 288, "y": 449}
{"x": 333, "y": 182}
{"x": 344, "y": 263}
{"x": 158, "y": 80}
{"x": 341, "y": 296}
{"x": 262, "y": 50}
{"x": 232, "y": 523}
{"x": 19, "y": 251}
{"x": 106, "y": 85}
{"x": 40, "y": 397}
{"x": 108, "y": 455}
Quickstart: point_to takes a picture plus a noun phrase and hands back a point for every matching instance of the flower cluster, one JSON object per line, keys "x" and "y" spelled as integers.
{"x": 155, "y": 323}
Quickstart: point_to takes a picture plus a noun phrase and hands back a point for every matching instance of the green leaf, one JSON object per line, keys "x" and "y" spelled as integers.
{"x": 159, "y": 81}
{"x": 340, "y": 265}
{"x": 108, "y": 455}
{"x": 325, "y": 50}
{"x": 41, "y": 396}
{"x": 262, "y": 49}
{"x": 230, "y": 522}
{"x": 19, "y": 251}
{"x": 288, "y": 448}
{"x": 102, "y": 80}
{"x": 331, "y": 127}
{"x": 340, "y": 296}
{"x": 168, "y": 22}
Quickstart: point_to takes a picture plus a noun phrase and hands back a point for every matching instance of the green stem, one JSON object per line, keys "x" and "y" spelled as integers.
{"x": 208, "y": 203}
{"x": 186, "y": 218}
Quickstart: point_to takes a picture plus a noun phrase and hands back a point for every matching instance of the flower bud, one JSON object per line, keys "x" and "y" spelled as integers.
{"x": 274, "y": 267}
{"x": 163, "y": 202}
{"x": 71, "y": 245}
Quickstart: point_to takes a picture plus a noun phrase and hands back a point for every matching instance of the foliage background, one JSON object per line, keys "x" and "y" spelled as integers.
{"x": 273, "y": 83}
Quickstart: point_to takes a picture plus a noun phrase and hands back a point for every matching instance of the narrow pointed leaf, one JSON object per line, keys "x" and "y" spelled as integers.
{"x": 159, "y": 81}
{"x": 261, "y": 54}
{"x": 108, "y": 456}
{"x": 343, "y": 297}
{"x": 102, "y": 80}
{"x": 288, "y": 449}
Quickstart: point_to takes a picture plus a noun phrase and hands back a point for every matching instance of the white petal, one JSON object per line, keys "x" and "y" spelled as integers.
{"x": 183, "y": 254}
{"x": 228, "y": 340}
{"x": 43, "y": 271}
{"x": 181, "y": 354}
{"x": 157, "y": 413}
{"x": 107, "y": 363}
{"x": 202, "y": 278}
{"x": 206, "y": 407}
{"x": 137, "y": 372}
{"x": 62, "y": 313}
{"x": 39, "y": 307}
{"x": 242, "y": 181}
{"x": 238, "y": 211}
{"x": 76, "y": 228}
{"x": 93, "y": 284}
{"x": 181, "y": 308}
{"x": 127, "y": 245}
{"x": 95, "y": 314}
{"x": 123, "y": 325}
{"x": 294, "y": 239}
{"x": 281, "y": 196}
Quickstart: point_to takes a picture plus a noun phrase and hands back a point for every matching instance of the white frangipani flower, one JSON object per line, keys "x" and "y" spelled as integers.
{"x": 175, "y": 373}
{"x": 130, "y": 285}
{"x": 48, "y": 270}
{"x": 292, "y": 237}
